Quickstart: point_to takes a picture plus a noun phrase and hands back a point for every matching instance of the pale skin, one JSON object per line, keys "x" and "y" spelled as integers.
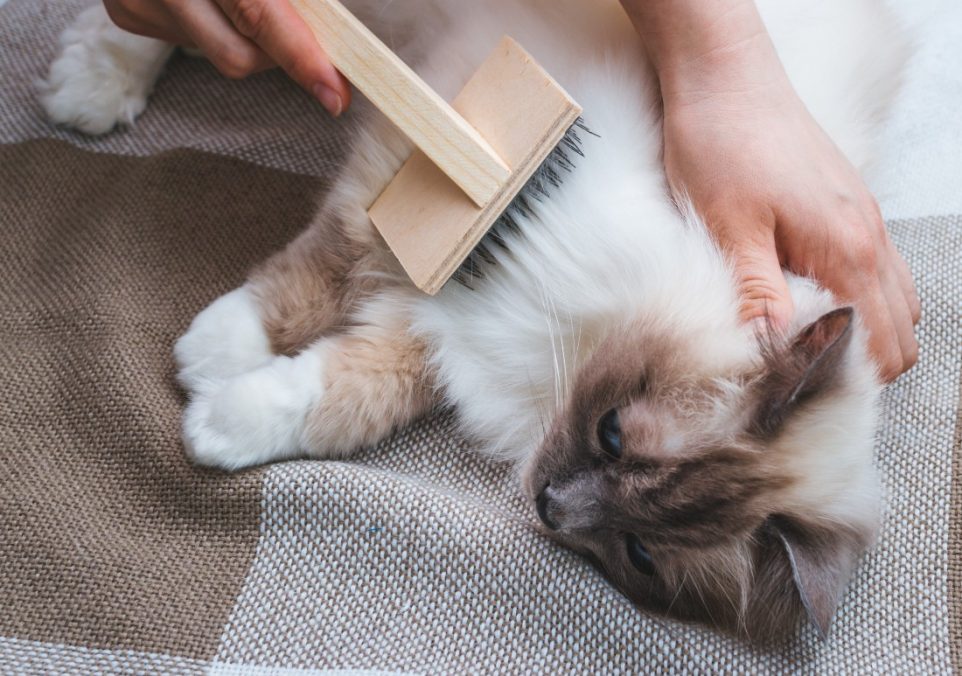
{"x": 774, "y": 189}
{"x": 771, "y": 185}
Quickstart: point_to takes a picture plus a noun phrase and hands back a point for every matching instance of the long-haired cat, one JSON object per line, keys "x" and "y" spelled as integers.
{"x": 713, "y": 474}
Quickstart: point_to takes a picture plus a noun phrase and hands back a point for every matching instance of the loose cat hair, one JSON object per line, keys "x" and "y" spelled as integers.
{"x": 713, "y": 473}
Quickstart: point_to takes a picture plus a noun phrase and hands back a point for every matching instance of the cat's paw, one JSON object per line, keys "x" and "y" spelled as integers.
{"x": 102, "y": 76}
{"x": 255, "y": 417}
{"x": 224, "y": 340}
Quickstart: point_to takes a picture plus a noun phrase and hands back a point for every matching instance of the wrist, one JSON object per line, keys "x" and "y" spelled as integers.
{"x": 699, "y": 46}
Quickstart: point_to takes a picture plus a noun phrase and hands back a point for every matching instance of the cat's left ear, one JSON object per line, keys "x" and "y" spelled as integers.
{"x": 809, "y": 365}
{"x": 822, "y": 565}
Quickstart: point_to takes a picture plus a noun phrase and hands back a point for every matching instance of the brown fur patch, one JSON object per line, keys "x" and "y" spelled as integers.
{"x": 376, "y": 380}
{"x": 375, "y": 374}
{"x": 692, "y": 481}
{"x": 308, "y": 288}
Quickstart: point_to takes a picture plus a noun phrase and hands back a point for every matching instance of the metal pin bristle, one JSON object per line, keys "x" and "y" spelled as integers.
{"x": 537, "y": 189}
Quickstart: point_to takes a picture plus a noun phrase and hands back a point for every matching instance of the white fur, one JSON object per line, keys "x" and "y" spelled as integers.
{"x": 224, "y": 340}
{"x": 609, "y": 246}
{"x": 102, "y": 76}
{"x": 256, "y": 417}
{"x": 829, "y": 448}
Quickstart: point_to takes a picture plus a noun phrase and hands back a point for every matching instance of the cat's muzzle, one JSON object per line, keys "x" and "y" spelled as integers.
{"x": 570, "y": 506}
{"x": 543, "y": 503}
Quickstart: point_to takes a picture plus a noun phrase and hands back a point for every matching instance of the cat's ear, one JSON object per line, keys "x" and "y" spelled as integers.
{"x": 807, "y": 366}
{"x": 821, "y": 565}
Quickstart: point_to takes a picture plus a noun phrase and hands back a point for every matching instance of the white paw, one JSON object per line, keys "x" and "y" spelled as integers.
{"x": 102, "y": 76}
{"x": 255, "y": 417}
{"x": 224, "y": 340}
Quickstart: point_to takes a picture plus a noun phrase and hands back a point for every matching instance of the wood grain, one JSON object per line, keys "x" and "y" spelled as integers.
{"x": 429, "y": 223}
{"x": 428, "y": 120}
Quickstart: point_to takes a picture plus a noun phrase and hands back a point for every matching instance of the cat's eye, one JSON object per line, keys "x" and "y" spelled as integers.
{"x": 638, "y": 555}
{"x": 609, "y": 433}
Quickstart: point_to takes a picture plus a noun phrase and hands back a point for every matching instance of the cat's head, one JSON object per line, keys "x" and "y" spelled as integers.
{"x": 739, "y": 496}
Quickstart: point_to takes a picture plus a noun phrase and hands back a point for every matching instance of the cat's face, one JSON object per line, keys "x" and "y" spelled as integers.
{"x": 676, "y": 484}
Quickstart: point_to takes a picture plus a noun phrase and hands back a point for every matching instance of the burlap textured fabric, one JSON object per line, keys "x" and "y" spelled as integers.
{"x": 418, "y": 556}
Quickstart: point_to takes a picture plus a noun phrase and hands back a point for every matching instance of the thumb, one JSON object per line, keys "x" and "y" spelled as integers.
{"x": 762, "y": 288}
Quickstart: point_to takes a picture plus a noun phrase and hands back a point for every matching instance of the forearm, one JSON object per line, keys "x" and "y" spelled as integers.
{"x": 694, "y": 43}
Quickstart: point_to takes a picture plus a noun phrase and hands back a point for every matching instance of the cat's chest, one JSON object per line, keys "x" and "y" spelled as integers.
{"x": 506, "y": 359}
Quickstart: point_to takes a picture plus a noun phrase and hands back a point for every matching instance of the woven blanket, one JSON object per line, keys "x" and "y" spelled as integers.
{"x": 118, "y": 556}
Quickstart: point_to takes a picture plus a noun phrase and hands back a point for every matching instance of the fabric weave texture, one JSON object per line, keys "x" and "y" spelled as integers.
{"x": 418, "y": 556}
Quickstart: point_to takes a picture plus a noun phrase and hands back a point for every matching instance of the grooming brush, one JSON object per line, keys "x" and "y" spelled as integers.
{"x": 502, "y": 141}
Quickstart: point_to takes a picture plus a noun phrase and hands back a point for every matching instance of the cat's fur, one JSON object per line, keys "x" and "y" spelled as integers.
{"x": 745, "y": 463}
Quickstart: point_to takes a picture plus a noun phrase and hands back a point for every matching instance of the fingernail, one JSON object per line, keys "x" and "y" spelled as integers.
{"x": 329, "y": 98}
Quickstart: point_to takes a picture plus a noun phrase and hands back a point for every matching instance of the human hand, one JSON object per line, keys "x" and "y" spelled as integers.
{"x": 240, "y": 37}
{"x": 777, "y": 193}
{"x": 771, "y": 185}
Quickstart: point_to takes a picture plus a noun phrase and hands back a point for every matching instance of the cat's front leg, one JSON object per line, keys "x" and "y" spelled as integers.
{"x": 255, "y": 417}
{"x": 226, "y": 339}
{"x": 293, "y": 299}
{"x": 377, "y": 379}
{"x": 102, "y": 75}
{"x": 342, "y": 393}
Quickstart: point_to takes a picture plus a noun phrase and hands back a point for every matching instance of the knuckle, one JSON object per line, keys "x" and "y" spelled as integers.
{"x": 916, "y": 310}
{"x": 893, "y": 364}
{"x": 860, "y": 249}
{"x": 851, "y": 212}
{"x": 911, "y": 356}
{"x": 235, "y": 64}
{"x": 119, "y": 14}
{"x": 180, "y": 7}
{"x": 294, "y": 66}
{"x": 300, "y": 67}
{"x": 871, "y": 207}
{"x": 249, "y": 17}
{"x": 889, "y": 371}
{"x": 847, "y": 205}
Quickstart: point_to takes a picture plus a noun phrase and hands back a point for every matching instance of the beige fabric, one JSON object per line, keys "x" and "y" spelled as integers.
{"x": 117, "y": 556}
{"x": 955, "y": 546}
{"x": 108, "y": 538}
{"x": 33, "y": 657}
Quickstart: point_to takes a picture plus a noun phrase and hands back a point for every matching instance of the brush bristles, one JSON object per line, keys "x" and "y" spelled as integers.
{"x": 538, "y": 188}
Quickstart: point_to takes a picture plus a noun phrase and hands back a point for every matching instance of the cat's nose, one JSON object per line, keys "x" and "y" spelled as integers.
{"x": 571, "y": 503}
{"x": 543, "y": 504}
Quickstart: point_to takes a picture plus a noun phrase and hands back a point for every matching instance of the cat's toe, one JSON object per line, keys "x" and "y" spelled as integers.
{"x": 87, "y": 100}
{"x": 223, "y": 341}
{"x": 255, "y": 417}
{"x": 102, "y": 76}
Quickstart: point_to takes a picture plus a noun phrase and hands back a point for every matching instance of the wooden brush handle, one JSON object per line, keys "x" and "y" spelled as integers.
{"x": 427, "y": 119}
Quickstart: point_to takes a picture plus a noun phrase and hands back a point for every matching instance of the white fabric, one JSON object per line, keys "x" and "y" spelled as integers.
{"x": 920, "y": 173}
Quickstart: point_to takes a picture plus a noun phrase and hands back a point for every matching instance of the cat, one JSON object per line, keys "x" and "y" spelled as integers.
{"x": 712, "y": 472}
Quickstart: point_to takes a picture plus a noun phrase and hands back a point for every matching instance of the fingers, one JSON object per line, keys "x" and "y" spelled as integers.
{"x": 209, "y": 29}
{"x": 761, "y": 283}
{"x": 895, "y": 345}
{"x": 278, "y": 30}
{"x": 240, "y": 37}
{"x": 151, "y": 19}
{"x": 866, "y": 275}
{"x": 885, "y": 324}
{"x": 903, "y": 324}
{"x": 904, "y": 276}
{"x": 891, "y": 261}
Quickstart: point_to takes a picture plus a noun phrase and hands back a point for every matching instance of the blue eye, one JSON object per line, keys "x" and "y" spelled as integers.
{"x": 638, "y": 555}
{"x": 609, "y": 433}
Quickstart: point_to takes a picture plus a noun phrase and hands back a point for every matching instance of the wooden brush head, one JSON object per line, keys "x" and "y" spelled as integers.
{"x": 429, "y": 223}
